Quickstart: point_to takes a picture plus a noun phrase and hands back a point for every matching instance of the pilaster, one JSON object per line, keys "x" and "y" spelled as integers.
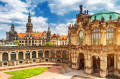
{"x": 103, "y": 37}
{"x": 103, "y": 66}
{"x": 36, "y": 54}
{"x": 88, "y": 64}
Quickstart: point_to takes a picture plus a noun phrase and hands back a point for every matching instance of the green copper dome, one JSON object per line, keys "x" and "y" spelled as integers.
{"x": 106, "y": 14}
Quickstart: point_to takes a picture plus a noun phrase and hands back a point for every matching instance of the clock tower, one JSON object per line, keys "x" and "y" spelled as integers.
{"x": 29, "y": 25}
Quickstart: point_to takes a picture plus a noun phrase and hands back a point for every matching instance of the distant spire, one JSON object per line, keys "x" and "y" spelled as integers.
{"x": 48, "y": 28}
{"x": 29, "y": 13}
{"x": 12, "y": 26}
{"x": 29, "y": 17}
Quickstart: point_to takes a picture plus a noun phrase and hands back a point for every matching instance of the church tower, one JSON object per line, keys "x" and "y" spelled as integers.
{"x": 12, "y": 27}
{"x": 29, "y": 25}
{"x": 48, "y": 34}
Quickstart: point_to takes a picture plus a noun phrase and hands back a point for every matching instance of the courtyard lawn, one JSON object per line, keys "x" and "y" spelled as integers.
{"x": 26, "y": 73}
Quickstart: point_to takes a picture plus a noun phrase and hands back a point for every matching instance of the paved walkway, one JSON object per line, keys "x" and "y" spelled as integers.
{"x": 56, "y": 72}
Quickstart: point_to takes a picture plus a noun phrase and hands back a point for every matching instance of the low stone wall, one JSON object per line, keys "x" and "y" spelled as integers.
{"x": 30, "y": 65}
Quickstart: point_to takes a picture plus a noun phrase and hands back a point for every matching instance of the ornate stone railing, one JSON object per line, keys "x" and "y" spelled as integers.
{"x": 100, "y": 47}
{"x": 19, "y": 47}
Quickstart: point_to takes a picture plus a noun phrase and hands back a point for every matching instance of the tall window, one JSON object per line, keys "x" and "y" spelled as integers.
{"x": 27, "y": 55}
{"x": 110, "y": 36}
{"x": 40, "y": 54}
{"x": 81, "y": 38}
{"x": 33, "y": 54}
{"x": 20, "y": 55}
{"x": 13, "y": 56}
{"x": 5, "y": 56}
{"x": 46, "y": 54}
{"x": 53, "y": 54}
{"x": 95, "y": 36}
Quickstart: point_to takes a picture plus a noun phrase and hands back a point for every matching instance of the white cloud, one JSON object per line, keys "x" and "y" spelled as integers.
{"x": 62, "y": 7}
{"x": 62, "y": 29}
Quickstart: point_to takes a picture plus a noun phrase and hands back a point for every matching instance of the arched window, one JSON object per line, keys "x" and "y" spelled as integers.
{"x": 40, "y": 54}
{"x": 53, "y": 54}
{"x": 65, "y": 54}
{"x": 13, "y": 56}
{"x": 46, "y": 54}
{"x": 81, "y": 38}
{"x": 5, "y": 56}
{"x": 27, "y": 55}
{"x": 110, "y": 36}
{"x": 96, "y": 36}
{"x": 33, "y": 54}
{"x": 58, "y": 54}
{"x": 20, "y": 55}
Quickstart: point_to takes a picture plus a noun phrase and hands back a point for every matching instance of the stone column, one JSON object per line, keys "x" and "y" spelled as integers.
{"x": 17, "y": 56}
{"x": 87, "y": 37}
{"x": 24, "y": 55}
{"x": 49, "y": 54}
{"x": 118, "y": 64}
{"x": 30, "y": 55}
{"x": 77, "y": 61}
{"x": 55, "y": 54}
{"x": 0, "y": 56}
{"x": 61, "y": 54}
{"x": 43, "y": 54}
{"x": 9, "y": 56}
{"x": 103, "y": 65}
{"x": 1, "y": 59}
{"x": 115, "y": 64}
{"x": 36, "y": 54}
{"x": 69, "y": 59}
{"x": 72, "y": 56}
{"x": 88, "y": 64}
{"x": 103, "y": 37}
{"x": 85, "y": 62}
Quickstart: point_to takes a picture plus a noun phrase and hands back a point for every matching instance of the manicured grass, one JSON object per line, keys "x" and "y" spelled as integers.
{"x": 26, "y": 73}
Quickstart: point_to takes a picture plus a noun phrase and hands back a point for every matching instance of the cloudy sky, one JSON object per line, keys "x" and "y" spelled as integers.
{"x": 57, "y": 14}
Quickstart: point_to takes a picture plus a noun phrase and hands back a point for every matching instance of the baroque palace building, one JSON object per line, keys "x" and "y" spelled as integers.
{"x": 31, "y": 38}
{"x": 94, "y": 45}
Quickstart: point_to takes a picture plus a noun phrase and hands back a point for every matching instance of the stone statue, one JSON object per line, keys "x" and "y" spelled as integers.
{"x": 81, "y": 9}
{"x": 102, "y": 19}
{"x": 110, "y": 17}
{"x": 95, "y": 18}
{"x": 87, "y": 11}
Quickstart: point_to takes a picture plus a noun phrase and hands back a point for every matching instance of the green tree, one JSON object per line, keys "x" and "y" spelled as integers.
{"x": 48, "y": 44}
{"x": 18, "y": 43}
